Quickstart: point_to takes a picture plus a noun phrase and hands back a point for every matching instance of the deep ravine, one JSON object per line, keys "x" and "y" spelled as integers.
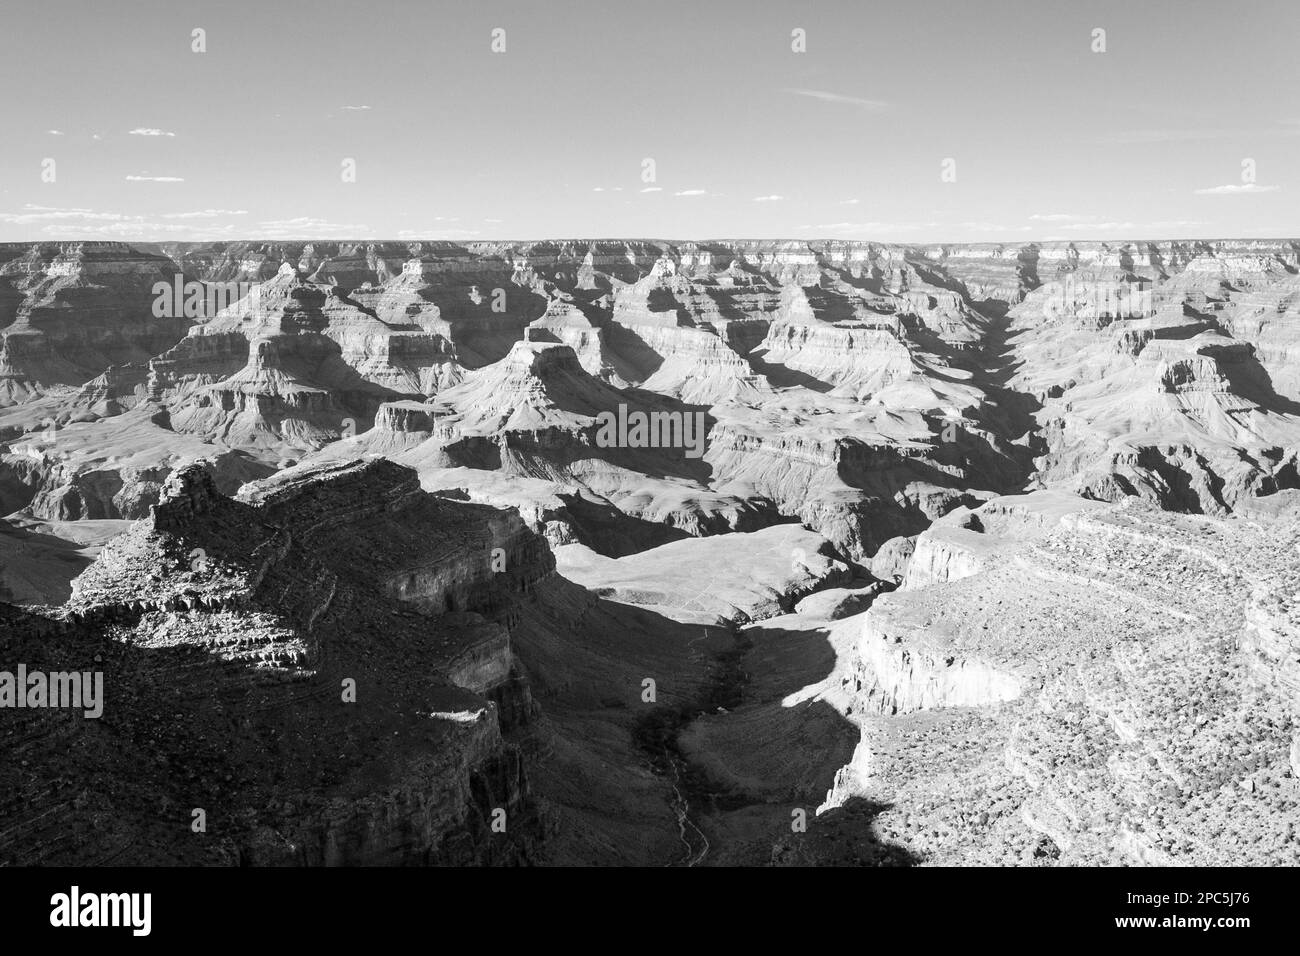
{"x": 657, "y": 735}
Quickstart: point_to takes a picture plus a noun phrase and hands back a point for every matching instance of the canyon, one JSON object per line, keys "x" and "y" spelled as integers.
{"x": 985, "y": 554}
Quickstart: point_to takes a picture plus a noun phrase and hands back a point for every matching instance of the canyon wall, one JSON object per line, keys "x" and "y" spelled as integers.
{"x": 265, "y": 667}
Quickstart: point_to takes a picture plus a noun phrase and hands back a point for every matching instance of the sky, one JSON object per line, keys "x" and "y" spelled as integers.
{"x": 962, "y": 121}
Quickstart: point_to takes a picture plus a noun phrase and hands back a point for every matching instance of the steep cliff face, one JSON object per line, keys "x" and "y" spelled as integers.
{"x": 945, "y": 554}
{"x": 889, "y": 676}
{"x": 967, "y": 541}
{"x": 267, "y": 660}
{"x": 1269, "y": 318}
{"x": 852, "y": 361}
{"x": 83, "y": 308}
{"x": 1112, "y": 688}
{"x": 677, "y": 335}
{"x": 865, "y": 388}
{"x": 269, "y": 373}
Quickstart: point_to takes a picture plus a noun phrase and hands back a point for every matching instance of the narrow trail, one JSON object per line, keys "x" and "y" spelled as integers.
{"x": 685, "y": 825}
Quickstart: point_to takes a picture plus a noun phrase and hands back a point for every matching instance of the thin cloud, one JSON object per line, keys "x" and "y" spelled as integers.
{"x": 205, "y": 214}
{"x": 1233, "y": 189}
{"x": 1085, "y": 223}
{"x": 149, "y": 131}
{"x": 34, "y": 214}
{"x": 36, "y": 208}
{"x": 154, "y": 179}
{"x": 137, "y": 228}
{"x": 79, "y": 222}
{"x": 691, "y": 192}
{"x": 355, "y": 108}
{"x": 653, "y": 189}
{"x": 55, "y": 132}
{"x": 991, "y": 227}
{"x": 1111, "y": 226}
{"x": 887, "y": 228}
{"x": 874, "y": 106}
{"x": 1135, "y": 227}
{"x": 849, "y": 202}
{"x": 878, "y": 228}
{"x": 772, "y": 198}
{"x": 438, "y": 233}
{"x": 309, "y": 227}
{"x": 75, "y": 221}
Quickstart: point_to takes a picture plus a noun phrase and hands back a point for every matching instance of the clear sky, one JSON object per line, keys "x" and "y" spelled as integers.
{"x": 152, "y": 141}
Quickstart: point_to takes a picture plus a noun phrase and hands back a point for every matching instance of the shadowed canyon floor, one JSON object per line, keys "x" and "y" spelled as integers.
{"x": 985, "y": 554}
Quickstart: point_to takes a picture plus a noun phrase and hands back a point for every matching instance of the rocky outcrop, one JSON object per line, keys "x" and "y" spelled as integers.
{"x": 835, "y": 603}
{"x": 1111, "y": 689}
{"x": 254, "y": 636}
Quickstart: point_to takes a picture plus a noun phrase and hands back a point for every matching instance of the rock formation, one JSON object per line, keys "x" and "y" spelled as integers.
{"x": 323, "y": 667}
{"x": 970, "y": 553}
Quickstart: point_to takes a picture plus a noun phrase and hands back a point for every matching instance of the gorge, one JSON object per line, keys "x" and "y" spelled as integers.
{"x": 955, "y": 555}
